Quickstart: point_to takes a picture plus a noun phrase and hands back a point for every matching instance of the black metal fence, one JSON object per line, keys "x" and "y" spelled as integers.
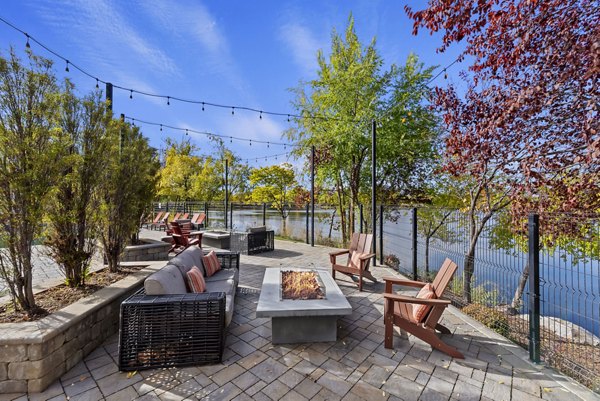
{"x": 535, "y": 280}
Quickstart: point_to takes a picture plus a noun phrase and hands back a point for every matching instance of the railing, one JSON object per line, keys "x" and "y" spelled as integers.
{"x": 535, "y": 280}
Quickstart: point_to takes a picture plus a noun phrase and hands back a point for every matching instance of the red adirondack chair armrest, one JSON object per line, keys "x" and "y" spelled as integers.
{"x": 333, "y": 255}
{"x": 367, "y": 256}
{"x": 401, "y": 281}
{"x": 414, "y": 300}
{"x": 338, "y": 253}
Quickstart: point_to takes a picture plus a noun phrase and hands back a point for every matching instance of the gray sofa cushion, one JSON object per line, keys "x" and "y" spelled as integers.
{"x": 224, "y": 274}
{"x": 187, "y": 259}
{"x": 228, "y": 287}
{"x": 167, "y": 280}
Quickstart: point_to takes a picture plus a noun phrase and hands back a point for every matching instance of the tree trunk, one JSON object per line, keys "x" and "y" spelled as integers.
{"x": 515, "y": 305}
{"x": 468, "y": 272}
{"x": 427, "y": 239}
{"x": 331, "y": 224}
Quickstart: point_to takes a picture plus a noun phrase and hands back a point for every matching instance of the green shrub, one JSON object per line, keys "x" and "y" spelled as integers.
{"x": 492, "y": 318}
{"x": 392, "y": 260}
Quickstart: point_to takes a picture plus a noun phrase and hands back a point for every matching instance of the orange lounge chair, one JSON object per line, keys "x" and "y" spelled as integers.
{"x": 155, "y": 221}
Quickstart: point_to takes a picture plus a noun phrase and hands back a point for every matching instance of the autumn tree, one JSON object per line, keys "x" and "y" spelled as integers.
{"x": 351, "y": 90}
{"x": 274, "y": 185}
{"x": 73, "y": 208}
{"x": 176, "y": 180}
{"x": 529, "y": 118}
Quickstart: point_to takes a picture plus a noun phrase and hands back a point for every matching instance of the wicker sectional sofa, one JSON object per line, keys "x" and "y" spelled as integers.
{"x": 165, "y": 325}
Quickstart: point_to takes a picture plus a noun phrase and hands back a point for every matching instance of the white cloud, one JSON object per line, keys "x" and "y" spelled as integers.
{"x": 100, "y": 25}
{"x": 193, "y": 24}
{"x": 251, "y": 127}
{"x": 302, "y": 44}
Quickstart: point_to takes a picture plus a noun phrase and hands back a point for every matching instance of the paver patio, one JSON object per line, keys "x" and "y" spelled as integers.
{"x": 356, "y": 366}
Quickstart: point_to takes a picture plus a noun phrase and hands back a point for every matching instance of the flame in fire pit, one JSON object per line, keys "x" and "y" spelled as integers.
{"x": 300, "y": 285}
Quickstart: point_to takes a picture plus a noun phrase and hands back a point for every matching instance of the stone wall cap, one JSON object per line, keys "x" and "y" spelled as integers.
{"x": 46, "y": 328}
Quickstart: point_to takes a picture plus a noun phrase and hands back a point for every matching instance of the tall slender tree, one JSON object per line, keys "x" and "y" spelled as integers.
{"x": 73, "y": 209}
{"x": 30, "y": 159}
{"x": 351, "y": 90}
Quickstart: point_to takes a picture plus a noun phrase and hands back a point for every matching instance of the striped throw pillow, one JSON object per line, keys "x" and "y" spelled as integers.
{"x": 196, "y": 280}
{"x": 420, "y": 311}
{"x": 211, "y": 263}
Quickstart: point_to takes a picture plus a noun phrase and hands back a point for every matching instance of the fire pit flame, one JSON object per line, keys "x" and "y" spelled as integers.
{"x": 301, "y": 285}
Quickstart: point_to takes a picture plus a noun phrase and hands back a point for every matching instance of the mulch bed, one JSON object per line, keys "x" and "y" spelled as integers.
{"x": 56, "y": 298}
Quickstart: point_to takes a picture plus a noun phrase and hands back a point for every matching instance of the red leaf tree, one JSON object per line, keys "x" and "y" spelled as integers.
{"x": 526, "y": 132}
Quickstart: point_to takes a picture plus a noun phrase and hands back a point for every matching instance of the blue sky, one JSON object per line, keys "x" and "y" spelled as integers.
{"x": 246, "y": 53}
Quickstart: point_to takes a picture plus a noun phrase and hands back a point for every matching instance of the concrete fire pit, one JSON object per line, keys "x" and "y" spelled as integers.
{"x": 301, "y": 321}
{"x": 216, "y": 239}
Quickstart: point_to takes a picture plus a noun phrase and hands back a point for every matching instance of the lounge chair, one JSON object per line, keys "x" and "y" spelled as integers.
{"x": 155, "y": 221}
{"x": 163, "y": 223}
{"x": 399, "y": 310}
{"x": 198, "y": 220}
{"x": 356, "y": 264}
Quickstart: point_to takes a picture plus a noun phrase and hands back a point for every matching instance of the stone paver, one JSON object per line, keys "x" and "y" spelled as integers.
{"x": 355, "y": 367}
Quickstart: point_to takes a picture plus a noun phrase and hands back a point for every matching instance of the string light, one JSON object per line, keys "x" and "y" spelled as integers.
{"x": 168, "y": 101}
{"x": 186, "y": 132}
{"x": 305, "y": 116}
{"x": 161, "y": 128}
{"x": 97, "y": 86}
{"x": 260, "y": 115}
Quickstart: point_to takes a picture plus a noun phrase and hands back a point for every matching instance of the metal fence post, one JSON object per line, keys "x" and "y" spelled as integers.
{"x": 307, "y": 222}
{"x": 206, "y": 214}
{"x": 414, "y": 242}
{"x": 231, "y": 216}
{"x": 534, "y": 288}
{"x": 264, "y": 214}
{"x": 381, "y": 234}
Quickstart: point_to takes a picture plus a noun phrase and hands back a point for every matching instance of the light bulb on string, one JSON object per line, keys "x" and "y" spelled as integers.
{"x": 260, "y": 115}
{"x": 27, "y": 45}
{"x": 168, "y": 101}
{"x": 445, "y": 74}
{"x": 67, "y": 67}
{"x": 232, "y": 111}
{"x": 186, "y": 132}
{"x": 130, "y": 94}
{"x": 161, "y": 128}
{"x": 288, "y": 118}
{"x": 97, "y": 86}
{"x": 250, "y": 142}
{"x": 230, "y": 139}
{"x": 202, "y": 106}
{"x": 267, "y": 144}
{"x": 133, "y": 122}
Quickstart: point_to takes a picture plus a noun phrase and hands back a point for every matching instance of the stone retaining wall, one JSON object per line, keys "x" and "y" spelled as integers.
{"x": 34, "y": 354}
{"x": 151, "y": 250}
